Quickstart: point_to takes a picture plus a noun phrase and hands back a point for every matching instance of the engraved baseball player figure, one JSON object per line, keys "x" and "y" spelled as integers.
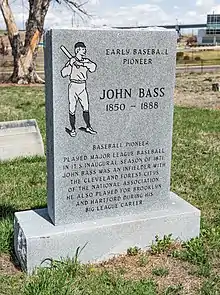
{"x": 77, "y": 69}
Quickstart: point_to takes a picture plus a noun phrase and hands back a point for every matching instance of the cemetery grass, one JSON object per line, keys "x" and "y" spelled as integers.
{"x": 169, "y": 267}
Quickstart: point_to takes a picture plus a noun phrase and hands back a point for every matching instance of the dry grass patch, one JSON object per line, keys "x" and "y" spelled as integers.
{"x": 195, "y": 90}
{"x": 179, "y": 272}
{"x": 7, "y": 266}
{"x": 211, "y": 140}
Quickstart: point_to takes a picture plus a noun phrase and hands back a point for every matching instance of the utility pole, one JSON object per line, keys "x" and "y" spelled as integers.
{"x": 23, "y": 22}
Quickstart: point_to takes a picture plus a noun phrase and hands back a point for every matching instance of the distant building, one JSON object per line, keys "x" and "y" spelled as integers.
{"x": 210, "y": 35}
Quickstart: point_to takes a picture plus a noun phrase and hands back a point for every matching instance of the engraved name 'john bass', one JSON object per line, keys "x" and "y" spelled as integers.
{"x": 128, "y": 93}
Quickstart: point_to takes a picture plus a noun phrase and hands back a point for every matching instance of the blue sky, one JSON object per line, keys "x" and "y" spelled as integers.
{"x": 122, "y": 12}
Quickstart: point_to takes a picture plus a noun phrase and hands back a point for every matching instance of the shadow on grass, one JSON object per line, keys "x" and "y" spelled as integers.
{"x": 24, "y": 160}
{"x": 14, "y": 260}
{"x": 6, "y": 211}
{"x": 7, "y": 233}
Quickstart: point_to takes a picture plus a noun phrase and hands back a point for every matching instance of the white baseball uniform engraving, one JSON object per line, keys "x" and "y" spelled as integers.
{"x": 77, "y": 69}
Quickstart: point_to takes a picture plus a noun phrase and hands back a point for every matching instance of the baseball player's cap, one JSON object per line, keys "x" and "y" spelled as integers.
{"x": 80, "y": 44}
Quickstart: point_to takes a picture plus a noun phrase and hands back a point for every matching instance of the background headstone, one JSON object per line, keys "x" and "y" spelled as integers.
{"x": 20, "y": 139}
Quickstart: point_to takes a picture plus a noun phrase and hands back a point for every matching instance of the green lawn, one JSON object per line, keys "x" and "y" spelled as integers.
{"x": 195, "y": 177}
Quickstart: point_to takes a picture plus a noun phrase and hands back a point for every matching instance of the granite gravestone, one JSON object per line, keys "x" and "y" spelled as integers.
{"x": 20, "y": 139}
{"x": 121, "y": 164}
{"x": 109, "y": 107}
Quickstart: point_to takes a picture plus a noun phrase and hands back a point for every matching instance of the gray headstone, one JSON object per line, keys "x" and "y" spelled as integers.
{"x": 126, "y": 81}
{"x": 109, "y": 168}
{"x": 20, "y": 139}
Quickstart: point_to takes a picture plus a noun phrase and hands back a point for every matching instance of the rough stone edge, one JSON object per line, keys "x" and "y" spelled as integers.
{"x": 48, "y": 62}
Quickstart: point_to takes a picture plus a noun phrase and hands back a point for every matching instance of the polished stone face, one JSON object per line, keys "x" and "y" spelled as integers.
{"x": 109, "y": 98}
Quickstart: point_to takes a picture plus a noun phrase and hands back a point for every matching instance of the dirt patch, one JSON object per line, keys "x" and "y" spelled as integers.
{"x": 7, "y": 266}
{"x": 21, "y": 85}
{"x": 179, "y": 272}
{"x": 195, "y": 90}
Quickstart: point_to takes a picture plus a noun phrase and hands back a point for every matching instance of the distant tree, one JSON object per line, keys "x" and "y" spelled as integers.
{"x": 25, "y": 53}
{"x": 3, "y": 48}
{"x": 191, "y": 41}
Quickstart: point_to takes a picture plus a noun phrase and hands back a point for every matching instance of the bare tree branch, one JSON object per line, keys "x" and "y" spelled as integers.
{"x": 24, "y": 55}
{"x": 83, "y": 3}
{"x": 77, "y": 7}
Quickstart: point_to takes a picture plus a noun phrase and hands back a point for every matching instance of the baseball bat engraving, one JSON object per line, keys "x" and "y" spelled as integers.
{"x": 66, "y": 51}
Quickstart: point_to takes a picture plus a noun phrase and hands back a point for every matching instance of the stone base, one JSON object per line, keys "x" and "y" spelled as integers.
{"x": 36, "y": 238}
